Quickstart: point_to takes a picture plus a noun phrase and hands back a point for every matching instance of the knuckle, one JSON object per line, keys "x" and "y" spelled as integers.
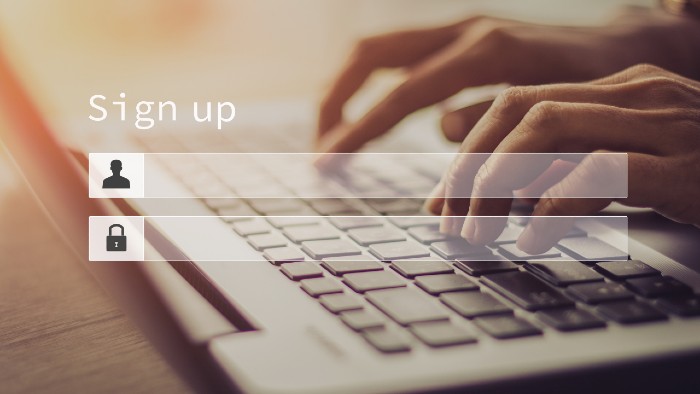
{"x": 500, "y": 36}
{"x": 659, "y": 91}
{"x": 668, "y": 89}
{"x": 483, "y": 182}
{"x": 687, "y": 119}
{"x": 512, "y": 96}
{"x": 643, "y": 69}
{"x": 515, "y": 97}
{"x": 365, "y": 47}
{"x": 543, "y": 115}
{"x": 552, "y": 206}
{"x": 476, "y": 19}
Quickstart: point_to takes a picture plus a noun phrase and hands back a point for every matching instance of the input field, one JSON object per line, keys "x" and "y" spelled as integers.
{"x": 281, "y": 239}
{"x": 360, "y": 175}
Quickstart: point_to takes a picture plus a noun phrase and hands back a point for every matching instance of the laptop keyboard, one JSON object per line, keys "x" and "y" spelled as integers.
{"x": 388, "y": 275}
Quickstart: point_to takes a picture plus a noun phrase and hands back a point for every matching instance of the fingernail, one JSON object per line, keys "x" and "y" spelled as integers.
{"x": 452, "y": 124}
{"x": 469, "y": 229}
{"x": 528, "y": 241}
{"x": 447, "y": 224}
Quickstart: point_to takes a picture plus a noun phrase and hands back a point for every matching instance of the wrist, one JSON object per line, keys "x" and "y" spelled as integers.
{"x": 666, "y": 40}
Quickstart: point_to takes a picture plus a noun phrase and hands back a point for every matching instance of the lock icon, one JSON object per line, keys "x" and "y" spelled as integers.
{"x": 116, "y": 243}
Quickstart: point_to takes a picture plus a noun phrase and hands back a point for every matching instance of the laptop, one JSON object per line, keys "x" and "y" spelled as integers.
{"x": 342, "y": 294}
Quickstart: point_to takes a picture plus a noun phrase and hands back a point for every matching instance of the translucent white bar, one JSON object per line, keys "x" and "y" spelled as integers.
{"x": 214, "y": 238}
{"x": 363, "y": 175}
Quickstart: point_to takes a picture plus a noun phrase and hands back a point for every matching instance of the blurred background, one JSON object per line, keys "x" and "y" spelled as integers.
{"x": 59, "y": 332}
{"x": 235, "y": 50}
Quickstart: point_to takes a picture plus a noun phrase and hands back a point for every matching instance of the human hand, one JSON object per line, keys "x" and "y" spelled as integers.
{"x": 648, "y": 112}
{"x": 442, "y": 61}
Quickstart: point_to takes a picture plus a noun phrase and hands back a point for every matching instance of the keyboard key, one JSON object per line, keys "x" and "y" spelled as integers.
{"x": 286, "y": 221}
{"x": 570, "y": 319}
{"x": 319, "y": 286}
{"x": 272, "y": 206}
{"x": 350, "y": 222}
{"x": 442, "y": 333}
{"x": 330, "y": 206}
{"x": 220, "y": 203}
{"x": 412, "y": 221}
{"x": 391, "y": 206}
{"x": 630, "y": 312}
{"x": 407, "y": 306}
{"x": 595, "y": 293}
{"x": 301, "y": 270}
{"x": 285, "y": 254}
{"x": 472, "y": 304}
{"x": 626, "y": 269}
{"x": 423, "y": 266}
{"x": 339, "y": 266}
{"x": 512, "y": 252}
{"x": 563, "y": 273}
{"x": 682, "y": 305}
{"x": 266, "y": 241}
{"x": 526, "y": 290}
{"x": 319, "y": 250}
{"x": 479, "y": 267}
{"x": 237, "y": 214}
{"x": 591, "y": 249}
{"x": 362, "y": 320}
{"x": 251, "y": 227}
{"x": 398, "y": 250}
{"x": 506, "y": 326}
{"x": 376, "y": 280}
{"x": 436, "y": 284}
{"x": 373, "y": 235}
{"x": 575, "y": 232}
{"x": 264, "y": 189}
{"x": 427, "y": 234}
{"x": 658, "y": 286}
{"x": 299, "y": 234}
{"x": 415, "y": 188}
{"x": 337, "y": 303}
{"x": 511, "y": 234}
{"x": 459, "y": 248}
{"x": 387, "y": 341}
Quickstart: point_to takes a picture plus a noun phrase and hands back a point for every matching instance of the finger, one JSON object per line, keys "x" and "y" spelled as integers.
{"x": 434, "y": 202}
{"x": 507, "y": 112}
{"x": 578, "y": 127}
{"x": 399, "y": 49}
{"x": 548, "y": 224}
{"x": 432, "y": 82}
{"x": 640, "y": 72}
{"x": 453, "y": 215}
{"x": 456, "y": 204}
{"x": 481, "y": 230}
{"x": 458, "y": 65}
{"x": 457, "y": 124}
{"x": 550, "y": 177}
{"x": 511, "y": 107}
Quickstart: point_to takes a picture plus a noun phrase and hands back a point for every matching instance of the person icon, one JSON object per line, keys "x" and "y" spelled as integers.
{"x": 116, "y": 181}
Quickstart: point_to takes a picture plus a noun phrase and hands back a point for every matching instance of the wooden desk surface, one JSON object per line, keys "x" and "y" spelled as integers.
{"x": 59, "y": 332}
